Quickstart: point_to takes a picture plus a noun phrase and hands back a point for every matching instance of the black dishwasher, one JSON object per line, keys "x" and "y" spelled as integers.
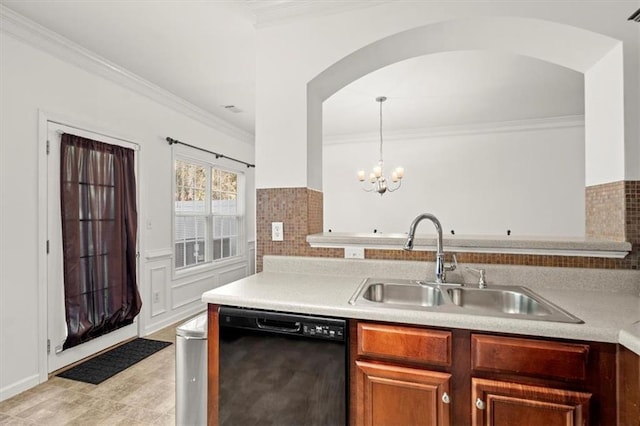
{"x": 282, "y": 369}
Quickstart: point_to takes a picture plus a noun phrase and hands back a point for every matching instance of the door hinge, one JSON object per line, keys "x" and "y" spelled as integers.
{"x": 48, "y": 346}
{"x": 48, "y": 147}
{"x": 47, "y": 246}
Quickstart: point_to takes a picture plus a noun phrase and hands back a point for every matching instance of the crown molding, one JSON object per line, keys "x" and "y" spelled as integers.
{"x": 526, "y": 125}
{"x": 271, "y": 13}
{"x": 62, "y": 48}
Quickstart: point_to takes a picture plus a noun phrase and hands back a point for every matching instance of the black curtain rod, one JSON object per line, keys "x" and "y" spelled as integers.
{"x": 218, "y": 155}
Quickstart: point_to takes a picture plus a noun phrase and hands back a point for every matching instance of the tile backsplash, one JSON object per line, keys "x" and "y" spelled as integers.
{"x": 612, "y": 213}
{"x": 300, "y": 211}
{"x": 605, "y": 211}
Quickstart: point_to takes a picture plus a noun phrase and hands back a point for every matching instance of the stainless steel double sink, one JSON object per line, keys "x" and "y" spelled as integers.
{"x": 500, "y": 301}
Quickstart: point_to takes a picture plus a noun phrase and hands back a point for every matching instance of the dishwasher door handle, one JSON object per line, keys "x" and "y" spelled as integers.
{"x": 263, "y": 325}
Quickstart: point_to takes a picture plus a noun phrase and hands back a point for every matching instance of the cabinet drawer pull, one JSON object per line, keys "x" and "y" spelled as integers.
{"x": 480, "y": 404}
{"x": 445, "y": 398}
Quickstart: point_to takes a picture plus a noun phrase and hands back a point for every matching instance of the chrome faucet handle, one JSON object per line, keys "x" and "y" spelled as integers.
{"x": 482, "y": 283}
{"x": 448, "y": 268}
{"x": 452, "y": 266}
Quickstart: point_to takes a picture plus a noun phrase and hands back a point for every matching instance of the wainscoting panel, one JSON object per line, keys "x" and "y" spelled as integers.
{"x": 231, "y": 275}
{"x": 170, "y": 299}
{"x": 158, "y": 284}
{"x": 191, "y": 291}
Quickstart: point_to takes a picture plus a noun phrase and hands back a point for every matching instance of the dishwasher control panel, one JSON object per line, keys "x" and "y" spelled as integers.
{"x": 323, "y": 331}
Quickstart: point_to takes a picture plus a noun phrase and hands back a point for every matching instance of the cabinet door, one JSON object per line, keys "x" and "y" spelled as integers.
{"x": 504, "y": 403}
{"x": 394, "y": 395}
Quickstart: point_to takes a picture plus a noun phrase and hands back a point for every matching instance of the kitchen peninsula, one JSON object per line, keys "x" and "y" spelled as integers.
{"x": 609, "y": 306}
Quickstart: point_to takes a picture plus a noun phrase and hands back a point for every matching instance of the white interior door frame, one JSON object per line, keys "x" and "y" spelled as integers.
{"x": 47, "y": 120}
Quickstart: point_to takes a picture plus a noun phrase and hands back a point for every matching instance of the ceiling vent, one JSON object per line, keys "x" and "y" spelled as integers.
{"x": 232, "y": 108}
{"x": 635, "y": 16}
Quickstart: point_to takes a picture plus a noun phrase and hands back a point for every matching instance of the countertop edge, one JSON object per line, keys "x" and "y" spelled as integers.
{"x": 629, "y": 337}
{"x": 570, "y": 246}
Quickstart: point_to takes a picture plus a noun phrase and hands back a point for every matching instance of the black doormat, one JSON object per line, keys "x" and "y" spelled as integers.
{"x": 98, "y": 369}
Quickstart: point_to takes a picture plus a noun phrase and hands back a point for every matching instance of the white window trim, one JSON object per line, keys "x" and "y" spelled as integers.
{"x": 188, "y": 154}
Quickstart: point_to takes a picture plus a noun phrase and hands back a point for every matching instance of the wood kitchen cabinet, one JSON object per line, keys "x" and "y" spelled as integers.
{"x": 395, "y": 383}
{"x": 628, "y": 387}
{"x": 413, "y": 375}
{"x": 395, "y": 395}
{"x": 499, "y": 403}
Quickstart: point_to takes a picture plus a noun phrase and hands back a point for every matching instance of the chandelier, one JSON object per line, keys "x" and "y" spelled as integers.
{"x": 377, "y": 180}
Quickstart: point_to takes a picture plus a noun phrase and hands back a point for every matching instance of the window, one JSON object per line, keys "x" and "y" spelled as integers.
{"x": 208, "y": 213}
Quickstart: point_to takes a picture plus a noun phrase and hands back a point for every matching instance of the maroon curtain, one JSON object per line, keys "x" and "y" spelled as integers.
{"x": 99, "y": 228}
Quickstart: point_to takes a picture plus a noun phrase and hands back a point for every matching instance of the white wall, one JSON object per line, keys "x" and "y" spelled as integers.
{"x": 290, "y": 56}
{"x": 32, "y": 81}
{"x": 605, "y": 151}
{"x": 529, "y": 181}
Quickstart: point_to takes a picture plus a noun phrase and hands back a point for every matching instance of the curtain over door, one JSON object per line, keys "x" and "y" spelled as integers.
{"x": 99, "y": 228}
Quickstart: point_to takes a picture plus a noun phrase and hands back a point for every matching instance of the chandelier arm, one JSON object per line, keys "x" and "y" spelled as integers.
{"x": 367, "y": 190}
{"x": 390, "y": 189}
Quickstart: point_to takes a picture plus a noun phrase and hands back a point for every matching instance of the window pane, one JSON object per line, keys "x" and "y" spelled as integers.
{"x": 226, "y": 252}
{"x": 190, "y": 245}
{"x": 199, "y": 201}
{"x": 217, "y": 227}
{"x": 229, "y": 181}
{"x": 179, "y": 255}
{"x": 215, "y": 179}
{"x": 225, "y": 204}
{"x": 179, "y": 229}
{"x": 181, "y": 204}
{"x": 190, "y": 187}
{"x": 233, "y": 247}
{"x": 217, "y": 248}
{"x": 224, "y": 192}
{"x": 191, "y": 175}
{"x": 181, "y": 171}
{"x": 225, "y": 240}
{"x": 230, "y": 226}
{"x": 216, "y": 196}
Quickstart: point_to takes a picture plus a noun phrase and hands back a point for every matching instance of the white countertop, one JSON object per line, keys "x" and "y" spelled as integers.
{"x": 608, "y": 316}
{"x": 630, "y": 337}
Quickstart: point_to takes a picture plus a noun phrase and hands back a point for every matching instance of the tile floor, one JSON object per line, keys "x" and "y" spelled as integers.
{"x": 144, "y": 394}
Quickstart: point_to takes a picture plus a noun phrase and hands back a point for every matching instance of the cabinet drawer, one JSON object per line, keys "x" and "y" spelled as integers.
{"x": 404, "y": 343}
{"x": 529, "y": 357}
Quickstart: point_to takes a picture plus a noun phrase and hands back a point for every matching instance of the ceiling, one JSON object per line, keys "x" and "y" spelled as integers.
{"x": 204, "y": 52}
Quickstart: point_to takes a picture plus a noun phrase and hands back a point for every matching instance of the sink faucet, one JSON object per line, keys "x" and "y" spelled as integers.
{"x": 440, "y": 268}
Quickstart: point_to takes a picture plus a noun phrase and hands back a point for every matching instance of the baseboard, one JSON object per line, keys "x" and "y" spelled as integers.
{"x": 173, "y": 319}
{"x": 18, "y": 387}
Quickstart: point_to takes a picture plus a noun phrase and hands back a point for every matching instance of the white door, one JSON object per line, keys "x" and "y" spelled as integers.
{"x": 56, "y": 322}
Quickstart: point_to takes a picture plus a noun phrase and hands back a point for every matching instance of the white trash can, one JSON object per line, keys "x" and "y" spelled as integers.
{"x": 191, "y": 372}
